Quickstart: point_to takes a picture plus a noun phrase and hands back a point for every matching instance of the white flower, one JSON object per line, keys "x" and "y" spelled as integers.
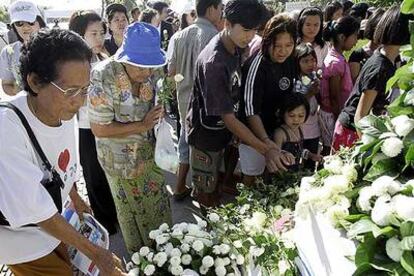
{"x": 193, "y": 229}
{"x": 160, "y": 259}
{"x": 204, "y": 270}
{"x": 144, "y": 251}
{"x": 149, "y": 269}
{"x": 392, "y": 147}
{"x": 161, "y": 239}
{"x": 286, "y": 212}
{"x": 198, "y": 245}
{"x": 363, "y": 201}
{"x": 216, "y": 250}
{"x": 382, "y": 212}
{"x": 333, "y": 164}
{"x": 404, "y": 207}
{"x": 336, "y": 213}
{"x": 154, "y": 234}
{"x": 367, "y": 139}
{"x": 238, "y": 244}
{"x": 402, "y": 125}
{"x": 409, "y": 98}
{"x": 164, "y": 227}
{"x": 202, "y": 223}
{"x": 256, "y": 251}
{"x": 337, "y": 184}
{"x": 378, "y": 157}
{"x": 207, "y": 262}
{"x": 178, "y": 78}
{"x": 213, "y": 217}
{"x": 385, "y": 185}
{"x": 306, "y": 183}
{"x": 168, "y": 248}
{"x": 185, "y": 248}
{"x": 135, "y": 258}
{"x": 393, "y": 249}
{"x": 177, "y": 233}
{"x": 177, "y": 270}
{"x": 175, "y": 261}
{"x": 220, "y": 271}
{"x": 186, "y": 259}
{"x": 218, "y": 262}
{"x": 283, "y": 267}
{"x": 175, "y": 252}
{"x": 349, "y": 171}
{"x": 134, "y": 272}
{"x": 129, "y": 266}
{"x": 150, "y": 256}
{"x": 342, "y": 201}
{"x": 226, "y": 261}
{"x": 188, "y": 239}
{"x": 240, "y": 259}
{"x": 259, "y": 218}
{"x": 278, "y": 209}
{"x": 224, "y": 249}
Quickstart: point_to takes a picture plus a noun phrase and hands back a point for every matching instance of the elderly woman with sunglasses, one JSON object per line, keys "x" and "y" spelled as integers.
{"x": 25, "y": 20}
{"x": 55, "y": 70}
{"x": 122, "y": 116}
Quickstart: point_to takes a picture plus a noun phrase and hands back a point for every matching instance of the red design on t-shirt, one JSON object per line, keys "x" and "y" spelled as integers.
{"x": 63, "y": 160}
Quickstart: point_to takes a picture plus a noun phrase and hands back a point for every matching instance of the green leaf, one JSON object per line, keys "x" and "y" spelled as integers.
{"x": 402, "y": 76}
{"x": 361, "y": 227}
{"x": 375, "y": 150}
{"x": 407, "y": 261}
{"x": 365, "y": 251}
{"x": 372, "y": 125}
{"x": 363, "y": 269}
{"x": 407, "y": 229}
{"x": 407, "y": 243}
{"x": 383, "y": 167}
{"x": 387, "y": 231}
{"x": 409, "y": 156}
{"x": 356, "y": 217}
{"x": 407, "y": 7}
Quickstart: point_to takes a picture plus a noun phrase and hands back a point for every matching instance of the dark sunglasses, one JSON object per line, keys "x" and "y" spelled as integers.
{"x": 21, "y": 23}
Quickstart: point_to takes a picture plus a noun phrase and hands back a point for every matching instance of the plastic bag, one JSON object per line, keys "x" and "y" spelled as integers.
{"x": 165, "y": 154}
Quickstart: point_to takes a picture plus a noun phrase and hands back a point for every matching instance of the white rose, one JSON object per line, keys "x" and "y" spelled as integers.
{"x": 135, "y": 258}
{"x": 202, "y": 223}
{"x": 213, "y": 217}
{"x": 161, "y": 239}
{"x": 404, "y": 207}
{"x": 185, "y": 248}
{"x": 224, "y": 249}
{"x": 160, "y": 259}
{"x": 186, "y": 259}
{"x": 337, "y": 184}
{"x": 203, "y": 270}
{"x": 392, "y": 147}
{"x": 240, "y": 259}
{"x": 177, "y": 270}
{"x": 393, "y": 249}
{"x": 134, "y": 272}
{"x": 364, "y": 199}
{"x": 402, "y": 125}
{"x": 149, "y": 269}
{"x": 154, "y": 233}
{"x": 367, "y": 139}
{"x": 198, "y": 245}
{"x": 333, "y": 164}
{"x": 144, "y": 251}
{"x": 385, "y": 185}
{"x": 207, "y": 262}
{"x": 175, "y": 261}
{"x": 175, "y": 252}
{"x": 336, "y": 213}
{"x": 164, "y": 227}
{"x": 238, "y": 244}
{"x": 382, "y": 212}
{"x": 349, "y": 171}
{"x": 220, "y": 271}
{"x": 178, "y": 78}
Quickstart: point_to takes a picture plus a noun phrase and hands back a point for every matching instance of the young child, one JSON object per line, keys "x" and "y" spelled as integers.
{"x": 336, "y": 82}
{"x": 289, "y": 136}
{"x": 308, "y": 84}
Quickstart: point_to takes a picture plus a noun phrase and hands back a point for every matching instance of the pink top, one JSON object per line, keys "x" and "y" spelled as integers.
{"x": 334, "y": 65}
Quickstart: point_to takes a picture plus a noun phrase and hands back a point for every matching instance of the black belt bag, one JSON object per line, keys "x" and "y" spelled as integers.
{"x": 54, "y": 183}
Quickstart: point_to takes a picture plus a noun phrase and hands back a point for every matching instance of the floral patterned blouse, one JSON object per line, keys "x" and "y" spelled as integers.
{"x": 110, "y": 99}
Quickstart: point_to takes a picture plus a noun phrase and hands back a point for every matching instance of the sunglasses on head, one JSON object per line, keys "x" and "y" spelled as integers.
{"x": 21, "y": 23}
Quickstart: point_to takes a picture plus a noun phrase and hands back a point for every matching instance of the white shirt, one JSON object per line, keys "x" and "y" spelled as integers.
{"x": 23, "y": 200}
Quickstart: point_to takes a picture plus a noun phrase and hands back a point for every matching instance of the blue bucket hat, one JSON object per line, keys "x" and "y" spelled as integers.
{"x": 141, "y": 47}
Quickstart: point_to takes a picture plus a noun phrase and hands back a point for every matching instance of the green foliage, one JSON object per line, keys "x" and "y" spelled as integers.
{"x": 4, "y": 16}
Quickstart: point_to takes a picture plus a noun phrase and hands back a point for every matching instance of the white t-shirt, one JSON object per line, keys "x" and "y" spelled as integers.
{"x": 23, "y": 200}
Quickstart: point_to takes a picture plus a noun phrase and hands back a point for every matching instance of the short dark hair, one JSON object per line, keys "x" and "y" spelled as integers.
{"x": 248, "y": 13}
{"x": 359, "y": 10}
{"x": 39, "y": 20}
{"x": 147, "y": 15}
{"x": 203, "y": 5}
{"x": 303, "y": 50}
{"x": 330, "y": 9}
{"x": 372, "y": 23}
{"x": 347, "y": 5}
{"x": 114, "y": 8}
{"x": 281, "y": 23}
{"x": 291, "y": 101}
{"x": 134, "y": 10}
{"x": 159, "y": 6}
{"x": 392, "y": 29}
{"x": 80, "y": 20}
{"x": 46, "y": 50}
{"x": 311, "y": 11}
{"x": 347, "y": 26}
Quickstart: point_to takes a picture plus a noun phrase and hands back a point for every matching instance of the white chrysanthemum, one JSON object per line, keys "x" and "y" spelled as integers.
{"x": 364, "y": 199}
{"x": 220, "y": 271}
{"x": 160, "y": 259}
{"x": 175, "y": 252}
{"x": 224, "y": 249}
{"x": 392, "y": 147}
{"x": 240, "y": 259}
{"x": 306, "y": 183}
{"x": 404, "y": 207}
{"x": 150, "y": 256}
{"x": 175, "y": 261}
{"x": 161, "y": 239}
{"x": 144, "y": 251}
{"x": 193, "y": 229}
{"x": 286, "y": 212}
{"x": 136, "y": 258}
{"x": 213, "y": 217}
{"x": 256, "y": 251}
{"x": 409, "y": 98}
{"x": 186, "y": 259}
{"x": 226, "y": 261}
{"x": 202, "y": 223}
{"x": 216, "y": 250}
{"x": 342, "y": 201}
{"x": 207, "y": 261}
{"x": 154, "y": 234}
{"x": 336, "y": 213}
{"x": 333, "y": 164}
{"x": 185, "y": 248}
{"x": 129, "y": 266}
{"x": 337, "y": 184}
{"x": 164, "y": 227}
{"x": 177, "y": 233}
{"x": 178, "y": 78}
{"x": 218, "y": 262}
{"x": 198, "y": 245}
{"x": 385, "y": 185}
{"x": 393, "y": 249}
{"x": 283, "y": 266}
{"x": 244, "y": 208}
{"x": 134, "y": 272}
{"x": 278, "y": 209}
{"x": 177, "y": 270}
{"x": 149, "y": 269}
{"x": 349, "y": 171}
{"x": 238, "y": 244}
{"x": 382, "y": 212}
{"x": 203, "y": 270}
{"x": 184, "y": 227}
{"x": 402, "y": 125}
{"x": 168, "y": 248}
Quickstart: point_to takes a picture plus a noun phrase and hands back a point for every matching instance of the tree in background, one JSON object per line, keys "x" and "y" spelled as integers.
{"x": 4, "y": 16}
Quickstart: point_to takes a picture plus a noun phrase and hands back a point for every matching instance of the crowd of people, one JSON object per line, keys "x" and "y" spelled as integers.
{"x": 272, "y": 91}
